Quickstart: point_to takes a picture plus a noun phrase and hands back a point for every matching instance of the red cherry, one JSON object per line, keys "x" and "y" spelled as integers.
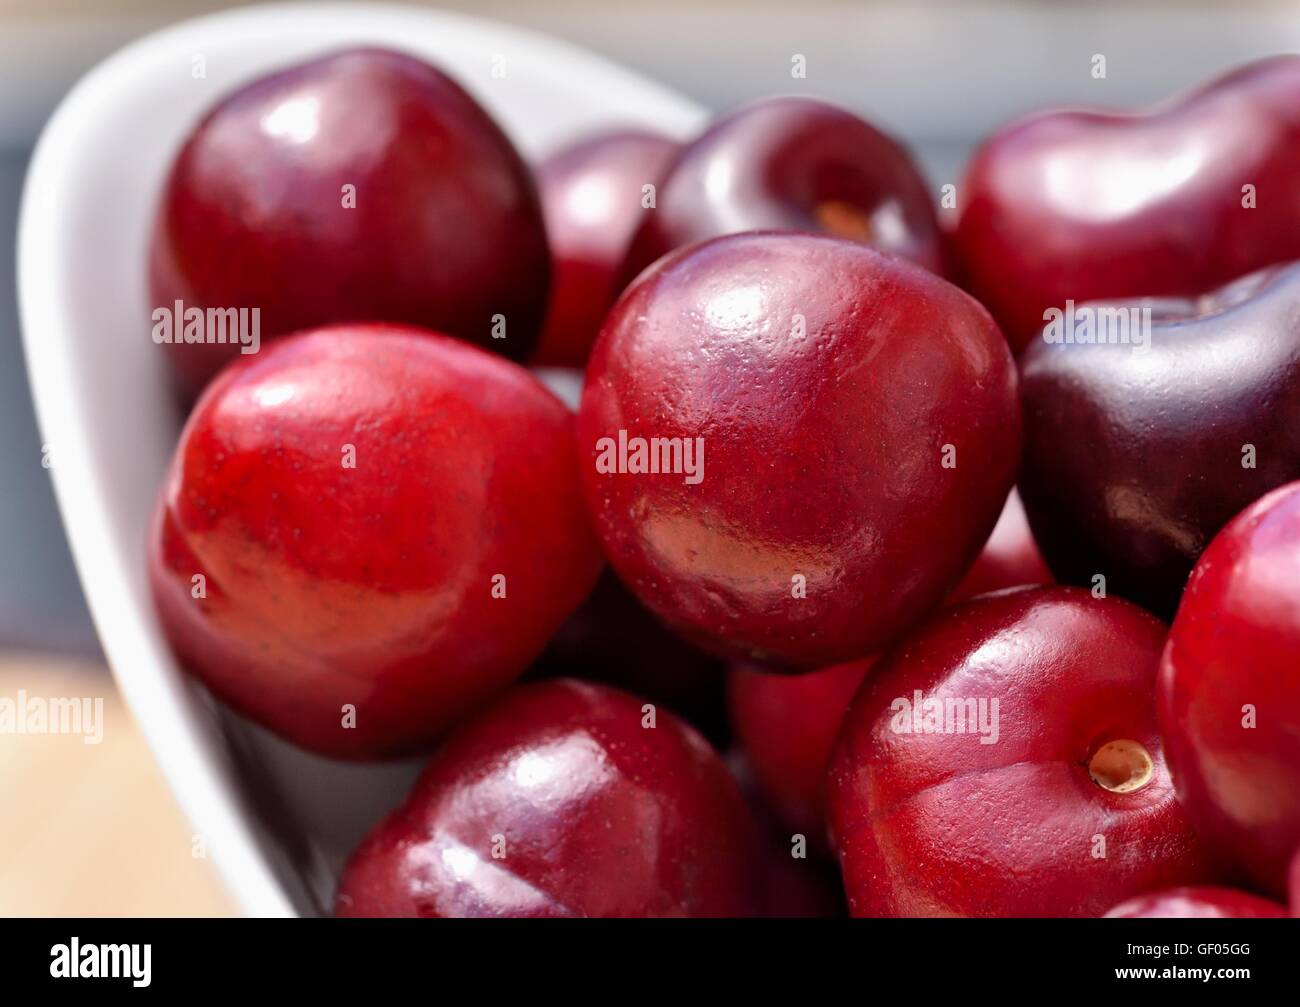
{"x": 1091, "y": 205}
{"x": 592, "y": 198}
{"x": 1010, "y": 557}
{"x": 1053, "y": 802}
{"x": 841, "y": 425}
{"x": 1198, "y": 903}
{"x": 361, "y": 186}
{"x": 786, "y": 725}
{"x": 384, "y": 520}
{"x": 1230, "y": 691}
{"x": 792, "y": 164}
{"x": 559, "y": 801}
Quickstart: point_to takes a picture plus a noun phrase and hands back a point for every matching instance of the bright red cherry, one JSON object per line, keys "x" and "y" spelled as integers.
{"x": 1170, "y": 202}
{"x": 564, "y": 800}
{"x": 792, "y": 164}
{"x": 1230, "y": 691}
{"x": 594, "y": 196}
{"x": 365, "y": 532}
{"x": 361, "y": 186}
{"x": 777, "y": 426}
{"x": 786, "y": 725}
{"x": 1200, "y": 903}
{"x": 1004, "y": 761}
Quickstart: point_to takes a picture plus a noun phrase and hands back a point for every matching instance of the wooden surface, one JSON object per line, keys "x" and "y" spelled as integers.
{"x": 91, "y": 829}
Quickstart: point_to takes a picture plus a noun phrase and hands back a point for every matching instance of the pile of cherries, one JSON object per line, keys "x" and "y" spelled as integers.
{"x": 810, "y": 394}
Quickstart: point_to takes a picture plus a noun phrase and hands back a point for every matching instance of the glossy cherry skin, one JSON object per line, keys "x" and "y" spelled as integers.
{"x": 557, "y": 801}
{"x": 786, "y": 725}
{"x": 1171, "y": 442}
{"x": 613, "y": 639}
{"x": 1205, "y": 902}
{"x": 445, "y": 230}
{"x": 592, "y": 200}
{"x": 1230, "y": 691}
{"x": 792, "y": 164}
{"x": 377, "y": 586}
{"x": 928, "y": 823}
{"x": 824, "y": 380}
{"x": 1091, "y": 205}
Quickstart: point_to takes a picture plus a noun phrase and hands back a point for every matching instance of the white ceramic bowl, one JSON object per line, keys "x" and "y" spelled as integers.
{"x": 277, "y": 822}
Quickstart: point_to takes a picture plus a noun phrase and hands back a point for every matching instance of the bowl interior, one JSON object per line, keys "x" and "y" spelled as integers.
{"x": 277, "y": 822}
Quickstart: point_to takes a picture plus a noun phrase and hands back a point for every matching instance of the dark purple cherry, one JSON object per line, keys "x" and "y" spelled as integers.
{"x": 1138, "y": 452}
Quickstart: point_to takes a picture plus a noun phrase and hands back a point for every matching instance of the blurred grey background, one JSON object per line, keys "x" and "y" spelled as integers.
{"x": 939, "y": 75}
